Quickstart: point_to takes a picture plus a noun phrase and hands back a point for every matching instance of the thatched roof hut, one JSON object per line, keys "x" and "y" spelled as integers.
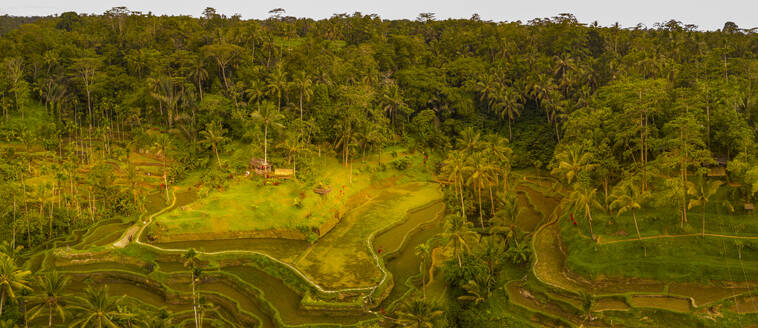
{"x": 260, "y": 166}
{"x": 284, "y": 173}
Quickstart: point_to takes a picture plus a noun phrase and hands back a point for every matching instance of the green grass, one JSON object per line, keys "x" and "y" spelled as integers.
{"x": 249, "y": 205}
{"x": 684, "y": 258}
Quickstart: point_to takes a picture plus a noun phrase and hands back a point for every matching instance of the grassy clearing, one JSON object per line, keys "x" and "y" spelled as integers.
{"x": 249, "y": 205}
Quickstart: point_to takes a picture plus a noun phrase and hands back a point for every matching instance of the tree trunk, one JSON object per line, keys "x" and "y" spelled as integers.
{"x": 479, "y": 192}
{"x": 265, "y": 146}
{"x": 2, "y": 299}
{"x": 510, "y": 133}
{"x": 589, "y": 220}
{"x": 703, "y": 233}
{"x": 194, "y": 299}
{"x": 215, "y": 151}
{"x": 463, "y": 206}
{"x": 492, "y": 202}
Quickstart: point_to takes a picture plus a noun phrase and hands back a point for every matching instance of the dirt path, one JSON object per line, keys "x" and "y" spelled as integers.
{"x": 616, "y": 241}
{"x": 135, "y": 231}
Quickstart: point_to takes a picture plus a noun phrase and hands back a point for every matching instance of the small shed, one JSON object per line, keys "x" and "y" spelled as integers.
{"x": 260, "y": 166}
{"x": 749, "y": 207}
{"x": 284, "y": 173}
{"x": 717, "y": 171}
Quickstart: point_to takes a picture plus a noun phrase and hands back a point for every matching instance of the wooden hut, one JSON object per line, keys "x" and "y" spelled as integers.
{"x": 260, "y": 166}
{"x": 749, "y": 207}
{"x": 283, "y": 173}
{"x": 717, "y": 171}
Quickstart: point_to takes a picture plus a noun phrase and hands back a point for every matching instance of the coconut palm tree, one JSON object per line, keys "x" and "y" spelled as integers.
{"x": 629, "y": 197}
{"x": 255, "y": 92}
{"x": 453, "y": 169}
{"x": 305, "y": 86}
{"x": 479, "y": 176}
{"x": 702, "y": 193}
{"x": 292, "y": 146}
{"x": 191, "y": 261}
{"x": 96, "y": 308}
{"x": 469, "y": 141}
{"x": 213, "y": 136}
{"x": 508, "y": 104}
{"x": 277, "y": 84}
{"x": 164, "y": 142}
{"x": 571, "y": 161}
{"x": 50, "y": 296}
{"x": 12, "y": 279}
{"x": 199, "y": 74}
{"x": 424, "y": 252}
{"x": 457, "y": 233}
{"x": 268, "y": 116}
{"x": 418, "y": 314}
{"x": 583, "y": 198}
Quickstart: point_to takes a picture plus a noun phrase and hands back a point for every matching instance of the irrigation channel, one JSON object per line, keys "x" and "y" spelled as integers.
{"x": 242, "y": 292}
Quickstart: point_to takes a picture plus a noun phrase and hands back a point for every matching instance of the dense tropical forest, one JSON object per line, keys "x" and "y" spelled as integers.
{"x": 173, "y": 171}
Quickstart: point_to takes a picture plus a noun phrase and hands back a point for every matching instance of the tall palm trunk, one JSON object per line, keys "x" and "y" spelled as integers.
{"x": 479, "y": 192}
{"x": 589, "y": 220}
{"x": 215, "y": 151}
{"x": 265, "y": 144}
{"x": 703, "y": 233}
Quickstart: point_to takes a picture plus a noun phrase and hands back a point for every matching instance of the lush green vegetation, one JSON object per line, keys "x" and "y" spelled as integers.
{"x": 355, "y": 171}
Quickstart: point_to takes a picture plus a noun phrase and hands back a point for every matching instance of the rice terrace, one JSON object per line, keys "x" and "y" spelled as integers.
{"x": 355, "y": 171}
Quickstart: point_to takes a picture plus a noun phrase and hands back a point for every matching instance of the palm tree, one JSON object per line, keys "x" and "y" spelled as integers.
{"x": 12, "y": 279}
{"x": 96, "y": 307}
{"x": 571, "y": 161}
{"x": 454, "y": 170}
{"x": 393, "y": 102}
{"x": 507, "y": 103}
{"x": 213, "y": 135}
{"x": 163, "y": 141}
{"x": 457, "y": 231}
{"x": 304, "y": 85}
{"x": 268, "y": 116}
{"x": 629, "y": 197}
{"x": 277, "y": 83}
{"x": 475, "y": 292}
{"x": 255, "y": 92}
{"x": 418, "y": 314}
{"x": 480, "y": 177}
{"x": 191, "y": 261}
{"x": 702, "y": 193}
{"x": 50, "y": 295}
{"x": 469, "y": 141}
{"x": 423, "y": 251}
{"x": 199, "y": 74}
{"x": 292, "y": 146}
{"x": 583, "y": 198}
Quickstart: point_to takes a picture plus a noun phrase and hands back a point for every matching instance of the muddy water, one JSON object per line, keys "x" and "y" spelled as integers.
{"x": 663, "y": 302}
{"x": 285, "y": 300}
{"x": 609, "y": 304}
{"x": 746, "y": 305}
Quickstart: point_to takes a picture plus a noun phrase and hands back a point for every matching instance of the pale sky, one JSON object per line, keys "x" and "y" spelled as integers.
{"x": 708, "y": 15}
